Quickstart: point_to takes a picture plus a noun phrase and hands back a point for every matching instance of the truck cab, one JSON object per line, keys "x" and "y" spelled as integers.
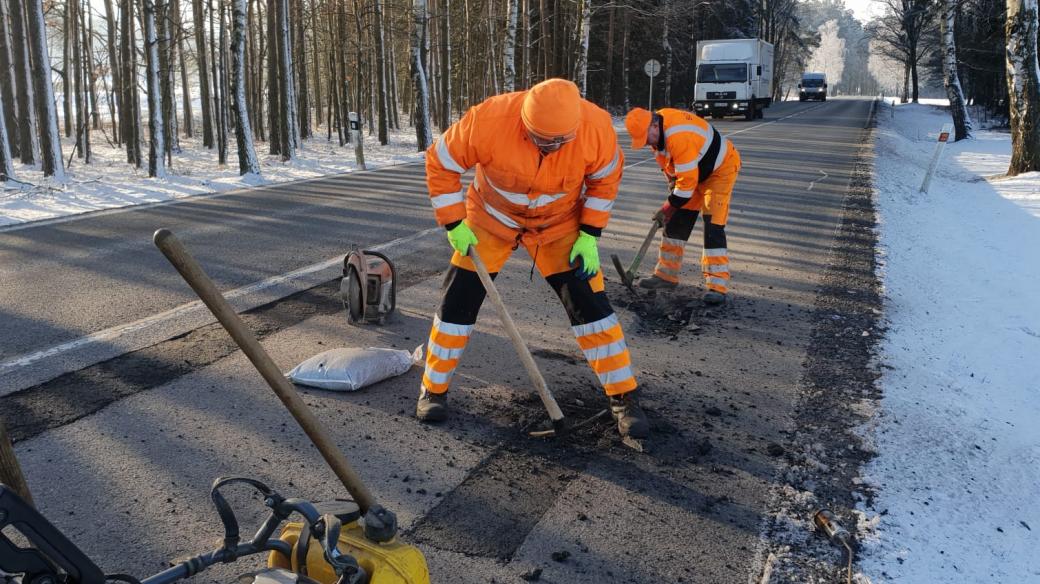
{"x": 734, "y": 77}
{"x": 813, "y": 86}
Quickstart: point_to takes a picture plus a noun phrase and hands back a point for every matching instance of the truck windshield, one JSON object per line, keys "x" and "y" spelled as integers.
{"x": 812, "y": 82}
{"x": 736, "y": 73}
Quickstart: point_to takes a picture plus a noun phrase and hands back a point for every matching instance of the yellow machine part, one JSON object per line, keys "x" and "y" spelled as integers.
{"x": 386, "y": 563}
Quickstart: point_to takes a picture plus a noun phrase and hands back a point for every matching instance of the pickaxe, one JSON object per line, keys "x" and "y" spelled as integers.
{"x": 628, "y": 277}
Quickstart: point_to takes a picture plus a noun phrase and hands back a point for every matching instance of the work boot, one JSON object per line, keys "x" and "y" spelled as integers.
{"x": 656, "y": 283}
{"x": 631, "y": 420}
{"x": 714, "y": 298}
{"x": 432, "y": 407}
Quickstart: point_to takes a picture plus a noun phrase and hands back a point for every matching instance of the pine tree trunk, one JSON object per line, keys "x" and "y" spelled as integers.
{"x": 6, "y": 167}
{"x": 50, "y": 141}
{"x": 423, "y": 133}
{"x": 303, "y": 85}
{"x": 169, "y": 111}
{"x": 115, "y": 103}
{"x": 130, "y": 114}
{"x": 951, "y": 78}
{"x": 543, "y": 16}
{"x": 28, "y": 138}
{"x": 222, "y": 77}
{"x": 68, "y": 63}
{"x": 157, "y": 145}
{"x": 89, "y": 99}
{"x": 581, "y": 68}
{"x": 1023, "y": 78}
{"x": 189, "y": 116}
{"x": 608, "y": 79}
{"x": 666, "y": 46}
{"x": 7, "y": 82}
{"x": 199, "y": 13}
{"x": 626, "y": 33}
{"x": 274, "y": 108}
{"x": 287, "y": 99}
{"x": 247, "y": 161}
{"x": 316, "y": 59}
{"x": 445, "y": 70}
{"x": 380, "y": 72}
{"x": 92, "y": 67}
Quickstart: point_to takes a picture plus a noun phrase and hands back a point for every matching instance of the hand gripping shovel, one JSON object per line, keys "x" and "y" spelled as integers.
{"x": 628, "y": 277}
{"x": 559, "y": 422}
{"x": 380, "y": 524}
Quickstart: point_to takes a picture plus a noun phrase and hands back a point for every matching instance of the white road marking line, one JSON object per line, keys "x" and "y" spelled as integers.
{"x": 798, "y": 113}
{"x": 813, "y": 183}
{"x": 115, "y": 332}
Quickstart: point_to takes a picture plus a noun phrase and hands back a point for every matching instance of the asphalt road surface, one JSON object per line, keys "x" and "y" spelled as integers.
{"x": 126, "y": 403}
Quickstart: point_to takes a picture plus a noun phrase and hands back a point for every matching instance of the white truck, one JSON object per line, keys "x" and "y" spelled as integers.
{"x": 734, "y": 77}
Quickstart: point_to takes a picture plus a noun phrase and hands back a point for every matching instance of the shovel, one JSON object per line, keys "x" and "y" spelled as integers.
{"x": 561, "y": 425}
{"x": 628, "y": 277}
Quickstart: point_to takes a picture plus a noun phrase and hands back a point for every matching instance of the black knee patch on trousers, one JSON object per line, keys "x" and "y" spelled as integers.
{"x": 714, "y": 235}
{"x": 681, "y": 224}
{"x": 582, "y": 304}
{"x": 462, "y": 295}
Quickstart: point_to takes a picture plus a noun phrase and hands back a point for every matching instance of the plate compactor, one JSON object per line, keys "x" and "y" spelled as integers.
{"x": 368, "y": 287}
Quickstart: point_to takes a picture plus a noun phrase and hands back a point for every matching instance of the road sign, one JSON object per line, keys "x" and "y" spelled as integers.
{"x": 652, "y": 67}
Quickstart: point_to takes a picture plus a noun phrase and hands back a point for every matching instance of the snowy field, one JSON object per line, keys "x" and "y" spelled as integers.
{"x": 957, "y": 474}
{"x": 110, "y": 182}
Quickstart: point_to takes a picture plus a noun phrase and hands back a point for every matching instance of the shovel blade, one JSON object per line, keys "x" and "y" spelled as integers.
{"x": 622, "y": 272}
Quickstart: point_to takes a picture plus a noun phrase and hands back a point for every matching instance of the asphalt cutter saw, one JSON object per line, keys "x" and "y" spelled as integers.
{"x": 368, "y": 287}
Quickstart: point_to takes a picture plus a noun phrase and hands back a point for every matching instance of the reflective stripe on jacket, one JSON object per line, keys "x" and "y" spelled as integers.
{"x": 517, "y": 192}
{"x": 693, "y": 149}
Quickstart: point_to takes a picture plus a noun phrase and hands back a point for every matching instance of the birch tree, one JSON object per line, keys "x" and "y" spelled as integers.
{"x": 1023, "y": 78}
{"x": 50, "y": 141}
{"x": 423, "y": 133}
{"x": 951, "y": 79}
{"x": 157, "y": 147}
{"x": 247, "y": 161}
{"x": 509, "y": 48}
{"x": 581, "y": 67}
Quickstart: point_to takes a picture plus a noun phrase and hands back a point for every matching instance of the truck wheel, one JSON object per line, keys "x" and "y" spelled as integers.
{"x": 824, "y": 98}
{"x": 760, "y": 113}
{"x": 750, "y": 114}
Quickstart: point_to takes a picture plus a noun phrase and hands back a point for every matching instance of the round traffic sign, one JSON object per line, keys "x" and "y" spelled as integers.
{"x": 652, "y": 67}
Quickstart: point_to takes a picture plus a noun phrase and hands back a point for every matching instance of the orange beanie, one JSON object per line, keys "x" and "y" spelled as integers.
{"x": 552, "y": 108}
{"x": 638, "y": 123}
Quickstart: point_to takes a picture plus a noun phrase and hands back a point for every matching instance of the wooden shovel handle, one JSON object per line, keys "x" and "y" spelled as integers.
{"x": 555, "y": 414}
{"x": 193, "y": 274}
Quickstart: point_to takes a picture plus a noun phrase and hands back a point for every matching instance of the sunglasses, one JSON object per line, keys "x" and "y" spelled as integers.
{"x": 555, "y": 141}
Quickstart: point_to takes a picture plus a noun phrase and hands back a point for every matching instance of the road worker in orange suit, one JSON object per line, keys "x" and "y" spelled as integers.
{"x": 701, "y": 166}
{"x": 548, "y": 168}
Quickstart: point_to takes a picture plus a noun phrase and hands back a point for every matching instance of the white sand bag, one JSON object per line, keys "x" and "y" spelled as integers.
{"x": 352, "y": 369}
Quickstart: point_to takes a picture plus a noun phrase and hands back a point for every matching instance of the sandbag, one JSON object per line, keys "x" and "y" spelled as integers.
{"x": 352, "y": 369}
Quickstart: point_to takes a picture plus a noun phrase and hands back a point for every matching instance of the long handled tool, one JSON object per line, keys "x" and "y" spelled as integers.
{"x": 560, "y": 426}
{"x": 380, "y": 524}
{"x": 628, "y": 276}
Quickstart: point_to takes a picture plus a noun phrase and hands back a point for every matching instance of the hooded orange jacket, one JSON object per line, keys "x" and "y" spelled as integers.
{"x": 518, "y": 194}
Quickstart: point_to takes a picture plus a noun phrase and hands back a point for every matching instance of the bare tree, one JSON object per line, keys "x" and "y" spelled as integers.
{"x": 157, "y": 147}
{"x": 50, "y": 141}
{"x": 423, "y": 134}
{"x": 28, "y": 134}
{"x": 7, "y": 82}
{"x": 6, "y": 169}
{"x": 380, "y": 71}
{"x": 201, "y": 57}
{"x": 130, "y": 115}
{"x": 581, "y": 66}
{"x": 951, "y": 79}
{"x": 247, "y": 161}
{"x": 509, "y": 51}
{"x": 1023, "y": 75}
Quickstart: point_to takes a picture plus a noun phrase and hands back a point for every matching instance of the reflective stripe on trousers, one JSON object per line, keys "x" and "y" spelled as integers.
{"x": 445, "y": 347}
{"x": 603, "y": 343}
{"x": 669, "y": 259}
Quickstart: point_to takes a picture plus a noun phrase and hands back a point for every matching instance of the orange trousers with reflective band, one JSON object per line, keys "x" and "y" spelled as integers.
{"x": 593, "y": 321}
{"x": 712, "y": 197}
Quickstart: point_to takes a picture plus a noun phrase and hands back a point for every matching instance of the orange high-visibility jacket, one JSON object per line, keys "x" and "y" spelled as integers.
{"x": 693, "y": 149}
{"x": 518, "y": 193}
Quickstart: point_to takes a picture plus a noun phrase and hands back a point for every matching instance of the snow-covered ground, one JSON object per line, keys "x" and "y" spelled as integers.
{"x": 957, "y": 472}
{"x": 110, "y": 182}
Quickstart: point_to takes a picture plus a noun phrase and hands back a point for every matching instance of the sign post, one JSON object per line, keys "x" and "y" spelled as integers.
{"x": 355, "y": 133}
{"x": 944, "y": 136}
{"x": 652, "y": 68}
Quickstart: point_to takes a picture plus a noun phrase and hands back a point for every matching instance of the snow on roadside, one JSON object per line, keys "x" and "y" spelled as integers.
{"x": 110, "y": 182}
{"x": 957, "y": 472}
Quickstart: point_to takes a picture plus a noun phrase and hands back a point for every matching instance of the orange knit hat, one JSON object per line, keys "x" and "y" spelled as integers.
{"x": 638, "y": 123}
{"x": 552, "y": 108}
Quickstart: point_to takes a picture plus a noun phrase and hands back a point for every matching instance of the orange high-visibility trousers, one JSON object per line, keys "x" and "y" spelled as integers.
{"x": 711, "y": 198}
{"x": 593, "y": 321}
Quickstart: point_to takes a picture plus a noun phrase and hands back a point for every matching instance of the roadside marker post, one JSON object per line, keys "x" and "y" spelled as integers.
{"x": 944, "y": 136}
{"x": 355, "y": 133}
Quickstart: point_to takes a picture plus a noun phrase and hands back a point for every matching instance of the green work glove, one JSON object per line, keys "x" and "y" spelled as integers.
{"x": 585, "y": 248}
{"x": 461, "y": 237}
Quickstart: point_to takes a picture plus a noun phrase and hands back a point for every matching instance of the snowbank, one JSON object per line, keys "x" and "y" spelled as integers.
{"x": 110, "y": 182}
{"x": 957, "y": 474}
